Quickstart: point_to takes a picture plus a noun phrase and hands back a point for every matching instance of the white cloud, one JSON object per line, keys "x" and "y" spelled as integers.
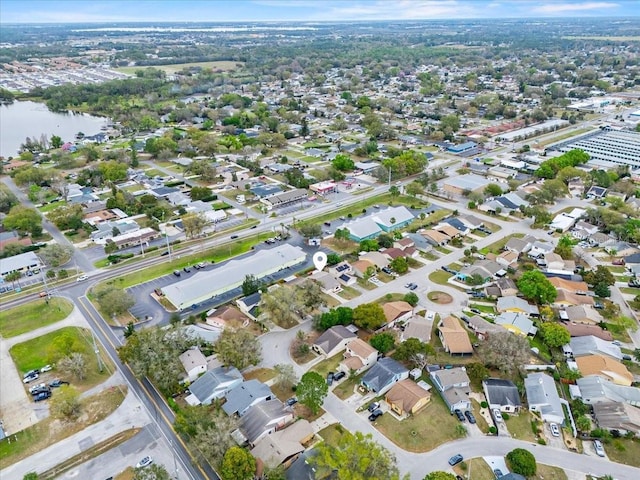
{"x": 400, "y": 10}
{"x": 552, "y": 8}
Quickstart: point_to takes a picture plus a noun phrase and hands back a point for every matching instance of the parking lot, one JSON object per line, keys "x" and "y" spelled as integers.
{"x": 25, "y": 281}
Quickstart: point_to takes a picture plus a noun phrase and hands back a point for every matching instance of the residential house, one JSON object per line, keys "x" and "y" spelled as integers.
{"x": 395, "y": 312}
{"x": 435, "y": 238}
{"x": 568, "y": 285}
{"x": 507, "y": 287}
{"x": 471, "y": 221}
{"x": 516, "y": 305}
{"x": 617, "y": 416}
{"x": 583, "y": 230}
{"x": 506, "y": 259}
{"x": 567, "y": 299}
{"x": 283, "y": 447}
{"x": 502, "y": 394}
{"x": 619, "y": 248}
{"x": 328, "y": 283}
{"x": 519, "y": 245}
{"x": 378, "y": 259}
{"x": 481, "y": 327}
{"x": 596, "y": 192}
{"x": 460, "y": 227}
{"x": 540, "y": 248}
{"x": 417, "y": 327}
{"x": 542, "y": 397}
{"x": 420, "y": 243}
{"x": 194, "y": 363}
{"x": 516, "y": 323}
{"x": 580, "y": 313}
{"x": 448, "y": 230}
{"x": 606, "y": 367}
{"x": 249, "y": 304}
{"x": 383, "y": 375}
{"x": 360, "y": 267}
{"x": 358, "y": 357}
{"x": 404, "y": 243}
{"x": 214, "y": 384}
{"x": 262, "y": 419}
{"x": 333, "y": 341}
{"x": 454, "y": 387}
{"x": 598, "y": 239}
{"x": 596, "y": 389}
{"x": 407, "y": 397}
{"x": 108, "y": 230}
{"x": 592, "y": 345}
{"x": 341, "y": 269}
{"x": 454, "y": 337}
{"x": 487, "y": 269}
{"x": 581, "y": 330}
{"x": 244, "y": 396}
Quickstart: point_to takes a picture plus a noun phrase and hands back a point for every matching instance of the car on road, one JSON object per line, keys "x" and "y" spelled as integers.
{"x": 459, "y": 414}
{"x": 597, "y": 445}
{"x": 233, "y": 237}
{"x": 456, "y": 459}
{"x": 81, "y": 278}
{"x": 330, "y": 377}
{"x": 292, "y": 401}
{"x": 373, "y": 406}
{"x": 145, "y": 462}
{"x": 254, "y": 226}
{"x": 58, "y": 383}
{"x": 475, "y": 310}
{"x": 42, "y": 396}
{"x": 470, "y": 416}
{"x": 339, "y": 376}
{"x": 30, "y": 378}
{"x": 555, "y": 431}
{"x": 375, "y": 414}
{"x": 497, "y": 472}
{"x": 497, "y": 415}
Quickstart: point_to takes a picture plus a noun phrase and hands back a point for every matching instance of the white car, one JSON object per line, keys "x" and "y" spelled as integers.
{"x": 555, "y": 431}
{"x": 46, "y": 368}
{"x": 597, "y": 445}
{"x": 145, "y": 462}
{"x": 497, "y": 415}
{"x": 81, "y": 278}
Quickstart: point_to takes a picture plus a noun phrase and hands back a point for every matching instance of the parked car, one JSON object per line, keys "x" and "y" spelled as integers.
{"x": 233, "y": 237}
{"x": 339, "y": 376}
{"x": 497, "y": 415}
{"x": 459, "y": 414}
{"x": 177, "y": 273}
{"x": 41, "y": 389}
{"x": 387, "y": 270}
{"x": 46, "y": 368}
{"x": 497, "y": 472}
{"x": 145, "y": 462}
{"x": 330, "y": 377}
{"x": 58, "y": 383}
{"x": 470, "y": 416}
{"x": 292, "y": 401}
{"x": 187, "y": 269}
{"x": 555, "y": 431}
{"x": 456, "y": 459}
{"x": 597, "y": 445}
{"x": 42, "y": 396}
{"x": 598, "y": 305}
{"x": 36, "y": 387}
{"x": 413, "y": 286}
{"x": 374, "y": 406}
{"x": 375, "y": 414}
{"x": 475, "y": 310}
{"x": 30, "y": 378}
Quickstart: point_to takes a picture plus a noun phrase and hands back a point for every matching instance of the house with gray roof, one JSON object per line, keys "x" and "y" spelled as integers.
{"x": 542, "y": 397}
{"x": 516, "y": 323}
{"x": 519, "y": 245}
{"x": 213, "y": 385}
{"x": 363, "y": 229}
{"x": 244, "y": 396}
{"x": 617, "y": 416}
{"x": 471, "y": 221}
{"x": 333, "y": 341}
{"x": 518, "y": 305}
{"x": 502, "y": 394}
{"x": 454, "y": 387}
{"x": 262, "y": 419}
{"x": 383, "y": 375}
{"x": 595, "y": 389}
{"x": 592, "y": 345}
{"x": 392, "y": 218}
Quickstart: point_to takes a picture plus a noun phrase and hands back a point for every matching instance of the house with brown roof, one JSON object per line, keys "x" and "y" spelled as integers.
{"x": 407, "y": 397}
{"x": 378, "y": 259}
{"x": 396, "y": 312}
{"x": 580, "y": 314}
{"x": 507, "y": 287}
{"x": 417, "y": 327}
{"x": 448, "y": 230}
{"x": 435, "y": 238}
{"x": 100, "y": 216}
{"x": 606, "y": 367}
{"x": 617, "y": 416}
{"x": 393, "y": 253}
{"x": 454, "y": 337}
{"x": 567, "y": 299}
{"x": 584, "y": 330}
{"x": 404, "y": 243}
{"x": 226, "y": 317}
{"x": 358, "y": 357}
{"x": 283, "y": 447}
{"x": 568, "y": 285}
{"x": 360, "y": 267}
{"x": 507, "y": 258}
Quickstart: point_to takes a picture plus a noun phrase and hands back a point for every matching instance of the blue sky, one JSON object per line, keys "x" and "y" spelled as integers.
{"x": 74, "y": 11}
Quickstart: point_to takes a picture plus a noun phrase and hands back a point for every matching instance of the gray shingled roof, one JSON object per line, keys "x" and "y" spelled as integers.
{"x": 502, "y": 392}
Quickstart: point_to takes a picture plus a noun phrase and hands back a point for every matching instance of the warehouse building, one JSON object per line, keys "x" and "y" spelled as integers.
{"x": 465, "y": 183}
{"x": 205, "y": 285}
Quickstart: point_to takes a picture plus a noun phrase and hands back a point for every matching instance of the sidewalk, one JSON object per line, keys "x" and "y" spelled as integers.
{"x": 128, "y": 415}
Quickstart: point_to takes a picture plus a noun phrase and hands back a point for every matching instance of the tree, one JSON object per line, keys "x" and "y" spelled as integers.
{"x": 65, "y": 404}
{"x": 414, "y": 189}
{"x": 285, "y": 375}
{"x": 356, "y": 457}
{"x": 369, "y": 316}
{"x": 451, "y": 122}
{"x": 505, "y": 351}
{"x": 338, "y": 316}
{"x": 200, "y": 193}
{"x": 113, "y": 301}
{"x": 411, "y": 298}
{"x": 281, "y": 305}
{"x": 250, "y": 285}
{"x": 13, "y": 276}
{"x": 522, "y": 461}
{"x": 400, "y": 265}
{"x": 636, "y": 354}
{"x": 383, "y": 342}
{"x": 554, "y": 335}
{"x": 477, "y": 372}
{"x": 55, "y": 142}
{"x": 600, "y": 275}
{"x": 74, "y": 364}
{"x": 54, "y": 255}
{"x": 67, "y": 217}
{"x": 238, "y": 464}
{"x": 238, "y": 348}
{"x": 535, "y": 286}
{"x": 24, "y": 220}
{"x": 129, "y": 330}
{"x": 311, "y": 391}
{"x": 343, "y": 163}
{"x": 333, "y": 258}
{"x": 493, "y": 190}
{"x": 602, "y": 290}
{"x": 440, "y": 475}
{"x": 583, "y": 424}
{"x": 565, "y": 247}
{"x": 310, "y": 230}
{"x": 394, "y": 191}
{"x": 194, "y": 224}
{"x": 414, "y": 352}
{"x": 308, "y": 296}
{"x": 152, "y": 472}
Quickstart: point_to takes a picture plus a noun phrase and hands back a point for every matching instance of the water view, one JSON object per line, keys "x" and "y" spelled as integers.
{"x": 30, "y": 119}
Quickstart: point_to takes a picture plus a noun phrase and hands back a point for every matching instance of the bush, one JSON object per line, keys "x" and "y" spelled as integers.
{"x": 505, "y": 416}
{"x": 542, "y": 441}
{"x": 522, "y": 461}
{"x": 493, "y": 430}
{"x": 484, "y": 404}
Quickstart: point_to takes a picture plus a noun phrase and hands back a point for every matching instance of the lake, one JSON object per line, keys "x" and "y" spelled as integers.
{"x": 30, "y": 119}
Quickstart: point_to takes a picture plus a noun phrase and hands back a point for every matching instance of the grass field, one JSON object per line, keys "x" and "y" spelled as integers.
{"x": 519, "y": 427}
{"x": 49, "y": 431}
{"x": 328, "y": 365}
{"x": 623, "y": 450}
{"x": 32, "y": 315}
{"x": 225, "y": 66}
{"x": 439, "y": 276}
{"x": 46, "y": 349}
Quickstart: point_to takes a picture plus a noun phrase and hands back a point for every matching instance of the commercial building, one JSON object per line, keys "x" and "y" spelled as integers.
{"x": 19, "y": 263}
{"x": 206, "y": 285}
{"x": 466, "y": 183}
{"x": 285, "y": 198}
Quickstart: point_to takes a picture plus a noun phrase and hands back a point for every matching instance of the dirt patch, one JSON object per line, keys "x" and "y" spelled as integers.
{"x": 440, "y": 297}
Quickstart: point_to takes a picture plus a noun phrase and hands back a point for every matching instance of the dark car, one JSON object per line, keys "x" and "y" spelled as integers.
{"x": 177, "y": 273}
{"x": 328, "y": 224}
{"x": 475, "y": 310}
{"x": 254, "y": 226}
{"x": 413, "y": 286}
{"x": 58, "y": 383}
{"x": 375, "y": 414}
{"x": 459, "y": 414}
{"x": 470, "y": 416}
{"x": 330, "y": 377}
{"x": 339, "y": 376}
{"x": 292, "y": 401}
{"x": 497, "y": 472}
{"x": 386, "y": 270}
{"x": 374, "y": 406}
{"x": 187, "y": 269}
{"x": 42, "y": 396}
{"x": 456, "y": 459}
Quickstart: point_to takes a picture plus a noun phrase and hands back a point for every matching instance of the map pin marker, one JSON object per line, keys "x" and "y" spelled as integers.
{"x": 320, "y": 260}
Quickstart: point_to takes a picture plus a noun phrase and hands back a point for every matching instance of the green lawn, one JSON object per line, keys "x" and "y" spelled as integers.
{"x": 547, "y": 472}
{"x": 46, "y": 349}
{"x": 623, "y": 450}
{"x": 481, "y": 422}
{"x": 32, "y": 315}
{"x": 497, "y": 247}
{"x": 346, "y": 387}
{"x": 51, "y": 206}
{"x": 520, "y": 426}
{"x": 440, "y": 277}
{"x": 328, "y": 365}
{"x": 476, "y": 469}
{"x": 349, "y": 293}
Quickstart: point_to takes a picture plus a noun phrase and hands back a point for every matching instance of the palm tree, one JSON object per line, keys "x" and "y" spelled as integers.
{"x": 13, "y": 277}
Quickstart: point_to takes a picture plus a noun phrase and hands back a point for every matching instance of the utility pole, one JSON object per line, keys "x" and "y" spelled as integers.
{"x": 97, "y": 352}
